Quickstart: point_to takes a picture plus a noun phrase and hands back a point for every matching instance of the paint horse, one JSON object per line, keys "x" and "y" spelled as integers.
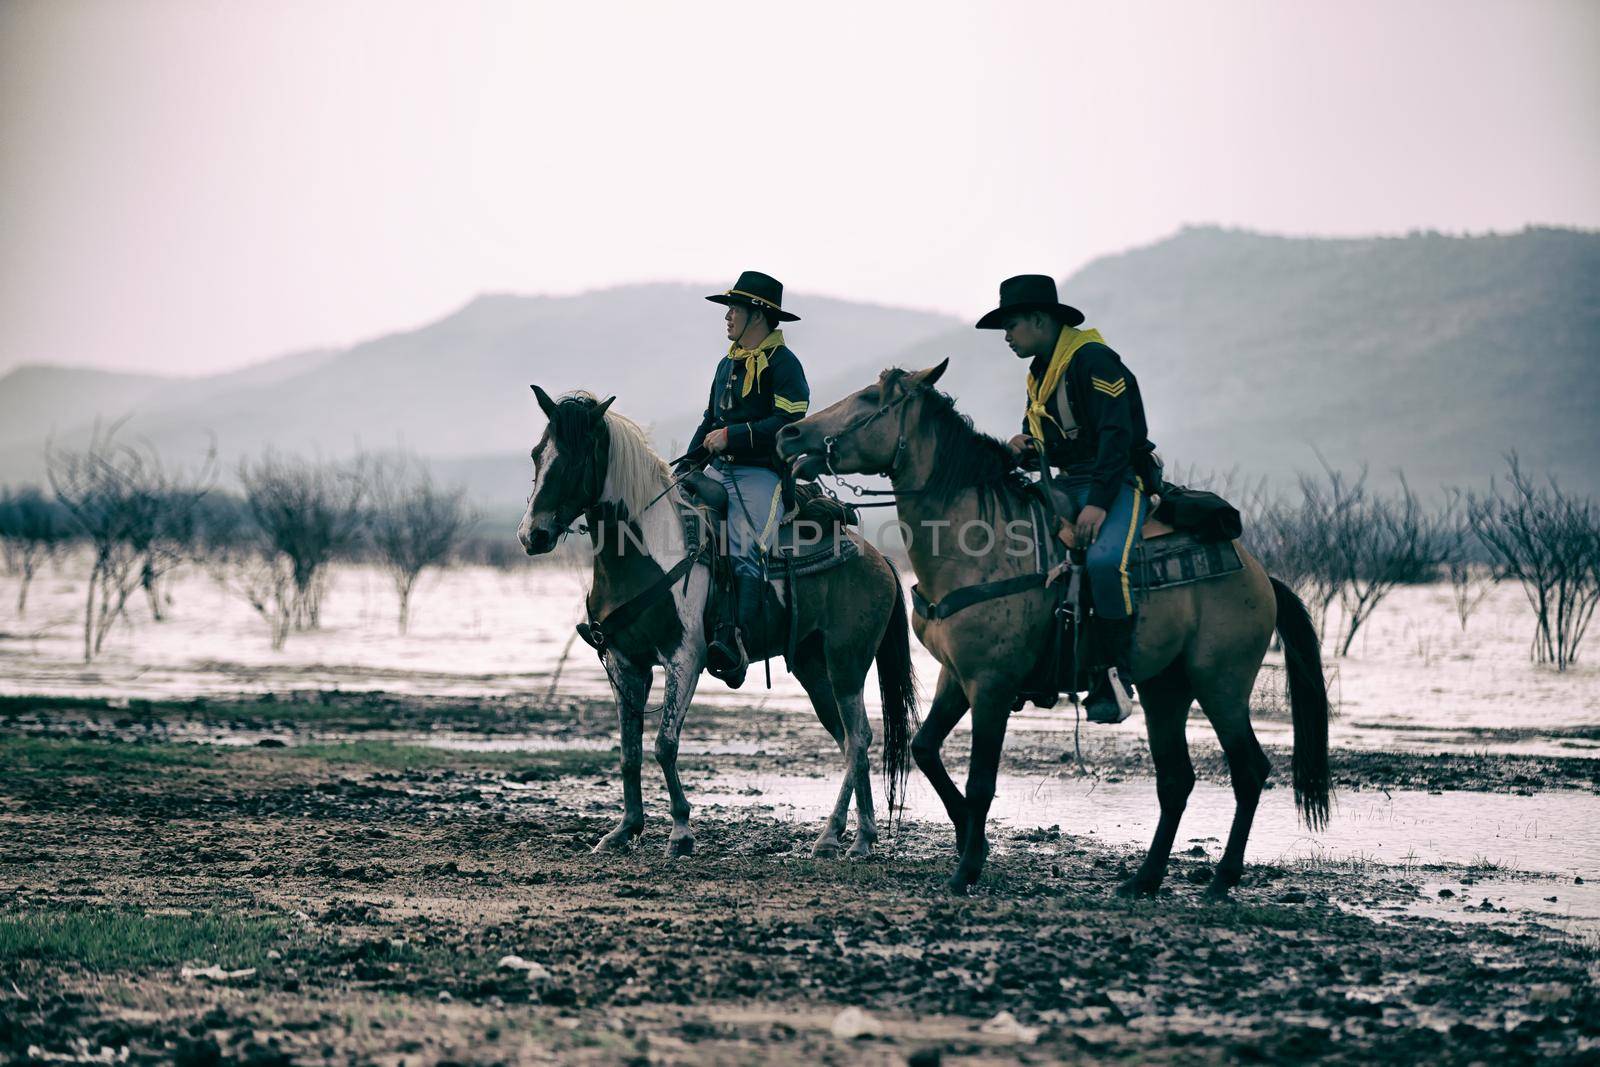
{"x": 1203, "y": 641}
{"x": 648, "y": 606}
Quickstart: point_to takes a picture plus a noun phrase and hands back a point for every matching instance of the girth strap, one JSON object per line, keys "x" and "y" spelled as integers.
{"x": 968, "y": 595}
{"x": 600, "y": 634}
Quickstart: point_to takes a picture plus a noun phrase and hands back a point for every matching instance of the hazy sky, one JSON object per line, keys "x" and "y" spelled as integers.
{"x": 191, "y": 186}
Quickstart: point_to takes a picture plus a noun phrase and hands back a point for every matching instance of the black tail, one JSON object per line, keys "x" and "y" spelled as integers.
{"x": 897, "y": 685}
{"x": 1308, "y": 699}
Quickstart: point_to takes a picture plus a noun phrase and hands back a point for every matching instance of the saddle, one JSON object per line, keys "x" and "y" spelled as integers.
{"x": 1168, "y": 557}
{"x": 813, "y": 536}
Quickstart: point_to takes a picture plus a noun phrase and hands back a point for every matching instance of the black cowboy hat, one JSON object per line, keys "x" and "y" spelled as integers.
{"x": 754, "y": 289}
{"x": 1029, "y": 292}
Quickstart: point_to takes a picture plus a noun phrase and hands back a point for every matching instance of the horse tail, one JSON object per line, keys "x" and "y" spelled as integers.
{"x": 897, "y": 685}
{"x": 1308, "y": 700}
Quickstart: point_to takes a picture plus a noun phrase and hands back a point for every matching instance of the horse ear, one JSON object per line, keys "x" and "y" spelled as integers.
{"x": 934, "y": 373}
{"x": 600, "y": 412}
{"x": 548, "y": 405}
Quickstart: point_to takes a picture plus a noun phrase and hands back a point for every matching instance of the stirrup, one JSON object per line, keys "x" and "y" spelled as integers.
{"x": 1111, "y": 712}
{"x": 732, "y": 670}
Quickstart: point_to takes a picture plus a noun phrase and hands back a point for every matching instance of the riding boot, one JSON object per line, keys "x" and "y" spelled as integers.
{"x": 725, "y": 656}
{"x": 1111, "y": 699}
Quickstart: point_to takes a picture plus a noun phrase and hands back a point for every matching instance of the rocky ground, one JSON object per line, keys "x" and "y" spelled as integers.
{"x": 326, "y": 893}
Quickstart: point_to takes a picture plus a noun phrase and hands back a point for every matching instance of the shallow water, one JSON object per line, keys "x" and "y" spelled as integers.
{"x": 1548, "y": 833}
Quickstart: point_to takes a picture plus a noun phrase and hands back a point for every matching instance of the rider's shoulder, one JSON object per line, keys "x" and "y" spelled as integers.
{"x": 1096, "y": 356}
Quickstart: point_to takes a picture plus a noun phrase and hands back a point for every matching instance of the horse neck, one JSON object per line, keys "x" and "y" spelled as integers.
{"x": 934, "y": 525}
{"x": 658, "y": 531}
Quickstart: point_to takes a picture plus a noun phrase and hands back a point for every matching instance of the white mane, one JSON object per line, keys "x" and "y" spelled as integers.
{"x": 634, "y": 473}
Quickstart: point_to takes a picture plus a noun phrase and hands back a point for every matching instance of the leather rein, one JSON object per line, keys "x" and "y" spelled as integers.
{"x": 957, "y": 599}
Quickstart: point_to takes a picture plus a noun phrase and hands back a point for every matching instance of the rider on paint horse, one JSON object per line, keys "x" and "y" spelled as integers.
{"x": 1086, "y": 418}
{"x": 759, "y": 387}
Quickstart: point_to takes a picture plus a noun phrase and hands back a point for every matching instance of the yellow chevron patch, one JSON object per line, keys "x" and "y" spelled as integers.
{"x": 1111, "y": 389}
{"x": 789, "y": 407}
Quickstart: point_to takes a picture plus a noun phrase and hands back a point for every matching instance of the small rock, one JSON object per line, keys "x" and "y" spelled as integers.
{"x": 925, "y": 1057}
{"x": 1006, "y": 1027}
{"x": 270, "y": 742}
{"x": 274, "y": 954}
{"x": 1577, "y": 880}
{"x": 531, "y": 968}
{"x": 445, "y": 997}
{"x": 1549, "y": 993}
{"x": 853, "y": 1024}
{"x": 215, "y": 973}
{"x": 1446, "y": 894}
{"x": 1550, "y": 900}
{"x": 1292, "y": 896}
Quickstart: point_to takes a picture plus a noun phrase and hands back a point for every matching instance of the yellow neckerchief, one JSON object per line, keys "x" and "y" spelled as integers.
{"x": 1040, "y": 392}
{"x": 754, "y": 359}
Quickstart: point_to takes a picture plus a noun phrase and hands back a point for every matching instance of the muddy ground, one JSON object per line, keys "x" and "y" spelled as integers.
{"x": 369, "y": 889}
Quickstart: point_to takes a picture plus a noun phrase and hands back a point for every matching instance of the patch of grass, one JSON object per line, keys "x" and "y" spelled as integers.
{"x": 49, "y": 757}
{"x": 395, "y": 756}
{"x": 105, "y": 939}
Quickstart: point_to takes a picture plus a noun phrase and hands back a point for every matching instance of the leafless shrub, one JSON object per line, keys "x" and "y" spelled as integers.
{"x": 413, "y": 524}
{"x": 32, "y": 529}
{"x": 1549, "y": 541}
{"x": 307, "y": 511}
{"x": 130, "y": 509}
{"x": 1472, "y": 577}
{"x": 1382, "y": 542}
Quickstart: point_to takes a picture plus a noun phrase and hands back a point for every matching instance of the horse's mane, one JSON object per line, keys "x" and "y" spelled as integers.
{"x": 964, "y": 457}
{"x": 635, "y": 474}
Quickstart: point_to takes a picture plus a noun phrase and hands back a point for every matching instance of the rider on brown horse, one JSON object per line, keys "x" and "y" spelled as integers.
{"x": 758, "y": 388}
{"x": 1086, "y": 417}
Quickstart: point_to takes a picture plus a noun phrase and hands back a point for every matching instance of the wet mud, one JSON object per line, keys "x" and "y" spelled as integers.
{"x": 322, "y": 887}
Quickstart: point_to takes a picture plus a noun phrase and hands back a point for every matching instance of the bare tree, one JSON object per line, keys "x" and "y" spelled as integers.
{"x": 307, "y": 512}
{"x": 413, "y": 524}
{"x": 1383, "y": 542}
{"x": 121, "y": 498}
{"x": 32, "y": 528}
{"x": 1301, "y": 538}
{"x": 1549, "y": 541}
{"x": 1472, "y": 578}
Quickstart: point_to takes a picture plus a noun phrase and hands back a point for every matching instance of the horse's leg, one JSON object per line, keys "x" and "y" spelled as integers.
{"x": 683, "y": 674}
{"x": 949, "y": 705}
{"x": 858, "y": 728}
{"x": 1165, "y": 699}
{"x": 1225, "y": 698}
{"x": 991, "y": 711}
{"x": 812, "y": 672}
{"x": 632, "y": 689}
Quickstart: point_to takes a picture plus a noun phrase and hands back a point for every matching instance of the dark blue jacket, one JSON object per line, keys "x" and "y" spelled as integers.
{"x": 753, "y": 420}
{"x": 1111, "y": 440}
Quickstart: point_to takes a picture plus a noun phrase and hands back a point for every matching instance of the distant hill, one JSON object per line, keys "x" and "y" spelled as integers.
{"x": 455, "y": 388}
{"x": 1432, "y": 353}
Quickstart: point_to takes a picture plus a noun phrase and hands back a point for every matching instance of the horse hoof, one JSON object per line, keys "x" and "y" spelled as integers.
{"x": 958, "y": 885}
{"x": 825, "y": 850}
{"x": 861, "y": 850}
{"x": 1217, "y": 892}
{"x": 681, "y": 846}
{"x": 1134, "y": 887}
{"x": 617, "y": 841}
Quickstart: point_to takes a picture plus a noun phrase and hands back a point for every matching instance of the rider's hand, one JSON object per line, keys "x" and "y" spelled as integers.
{"x": 716, "y": 441}
{"x": 1090, "y": 519}
{"x": 1021, "y": 446}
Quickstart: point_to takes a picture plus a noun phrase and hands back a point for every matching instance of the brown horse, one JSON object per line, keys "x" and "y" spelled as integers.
{"x": 1200, "y": 642}
{"x": 599, "y": 465}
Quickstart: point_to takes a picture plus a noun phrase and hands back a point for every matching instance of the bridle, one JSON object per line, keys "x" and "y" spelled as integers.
{"x": 862, "y": 422}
